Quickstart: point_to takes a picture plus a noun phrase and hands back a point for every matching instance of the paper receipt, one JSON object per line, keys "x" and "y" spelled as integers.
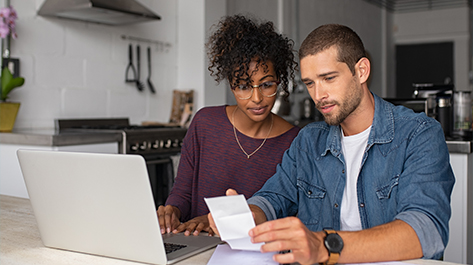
{"x": 234, "y": 220}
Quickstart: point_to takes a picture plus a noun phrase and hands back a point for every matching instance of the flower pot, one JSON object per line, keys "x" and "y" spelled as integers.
{"x": 8, "y": 112}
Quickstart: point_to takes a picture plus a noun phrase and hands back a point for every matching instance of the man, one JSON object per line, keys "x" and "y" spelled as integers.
{"x": 371, "y": 183}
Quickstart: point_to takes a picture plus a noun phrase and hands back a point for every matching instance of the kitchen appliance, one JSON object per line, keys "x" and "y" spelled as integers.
{"x": 462, "y": 114}
{"x": 416, "y": 104}
{"x": 432, "y": 92}
{"x": 444, "y": 114}
{"x": 156, "y": 143}
{"x": 116, "y": 12}
{"x": 439, "y": 103}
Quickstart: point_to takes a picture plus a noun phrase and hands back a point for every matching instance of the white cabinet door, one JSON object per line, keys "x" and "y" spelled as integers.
{"x": 460, "y": 244}
{"x": 11, "y": 179}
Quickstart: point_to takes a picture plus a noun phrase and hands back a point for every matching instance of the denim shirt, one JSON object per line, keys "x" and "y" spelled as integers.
{"x": 405, "y": 174}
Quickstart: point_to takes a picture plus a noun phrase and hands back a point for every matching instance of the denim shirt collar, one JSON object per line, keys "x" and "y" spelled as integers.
{"x": 382, "y": 128}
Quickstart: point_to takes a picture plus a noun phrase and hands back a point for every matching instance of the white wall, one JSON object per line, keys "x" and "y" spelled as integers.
{"x": 195, "y": 18}
{"x": 76, "y": 69}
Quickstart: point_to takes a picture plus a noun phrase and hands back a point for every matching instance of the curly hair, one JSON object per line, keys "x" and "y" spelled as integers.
{"x": 239, "y": 40}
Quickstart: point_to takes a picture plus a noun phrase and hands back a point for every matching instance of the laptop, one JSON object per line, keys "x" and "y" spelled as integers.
{"x": 101, "y": 204}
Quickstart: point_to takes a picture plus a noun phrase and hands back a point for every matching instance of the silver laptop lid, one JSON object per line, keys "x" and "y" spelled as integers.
{"x": 94, "y": 203}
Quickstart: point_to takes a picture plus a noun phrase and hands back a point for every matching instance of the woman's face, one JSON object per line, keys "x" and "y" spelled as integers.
{"x": 257, "y": 107}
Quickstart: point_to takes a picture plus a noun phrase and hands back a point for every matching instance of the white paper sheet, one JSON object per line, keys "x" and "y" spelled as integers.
{"x": 234, "y": 220}
{"x": 225, "y": 255}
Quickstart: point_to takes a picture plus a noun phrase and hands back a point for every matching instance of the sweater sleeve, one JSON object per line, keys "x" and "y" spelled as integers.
{"x": 181, "y": 193}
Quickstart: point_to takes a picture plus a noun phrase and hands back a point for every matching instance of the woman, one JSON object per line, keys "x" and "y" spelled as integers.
{"x": 238, "y": 146}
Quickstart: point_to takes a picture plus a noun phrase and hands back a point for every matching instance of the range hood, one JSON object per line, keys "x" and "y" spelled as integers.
{"x": 110, "y": 12}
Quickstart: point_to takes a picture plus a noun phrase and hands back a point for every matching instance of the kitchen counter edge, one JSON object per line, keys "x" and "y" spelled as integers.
{"x": 54, "y": 138}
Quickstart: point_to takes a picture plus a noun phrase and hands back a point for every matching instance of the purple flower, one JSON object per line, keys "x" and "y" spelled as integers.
{"x": 5, "y": 12}
{"x": 13, "y": 13}
{"x": 4, "y": 30}
{"x": 8, "y": 16}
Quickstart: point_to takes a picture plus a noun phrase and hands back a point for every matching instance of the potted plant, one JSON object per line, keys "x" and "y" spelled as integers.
{"x": 8, "y": 110}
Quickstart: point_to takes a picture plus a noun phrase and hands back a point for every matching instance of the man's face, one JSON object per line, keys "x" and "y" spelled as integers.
{"x": 334, "y": 89}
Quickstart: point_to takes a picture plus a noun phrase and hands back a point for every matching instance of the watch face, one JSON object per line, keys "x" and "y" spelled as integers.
{"x": 334, "y": 243}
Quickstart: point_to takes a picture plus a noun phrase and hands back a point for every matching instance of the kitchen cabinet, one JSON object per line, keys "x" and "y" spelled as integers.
{"x": 11, "y": 178}
{"x": 460, "y": 244}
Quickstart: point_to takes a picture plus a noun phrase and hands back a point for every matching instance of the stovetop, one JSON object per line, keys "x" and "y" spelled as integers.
{"x": 136, "y": 139}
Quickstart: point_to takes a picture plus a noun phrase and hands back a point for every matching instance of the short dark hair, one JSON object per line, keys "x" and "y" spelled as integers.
{"x": 238, "y": 40}
{"x": 349, "y": 45}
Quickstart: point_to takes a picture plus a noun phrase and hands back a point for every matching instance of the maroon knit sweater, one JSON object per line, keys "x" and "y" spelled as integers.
{"x": 212, "y": 162}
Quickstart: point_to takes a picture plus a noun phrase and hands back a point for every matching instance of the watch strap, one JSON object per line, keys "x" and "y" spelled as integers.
{"x": 332, "y": 258}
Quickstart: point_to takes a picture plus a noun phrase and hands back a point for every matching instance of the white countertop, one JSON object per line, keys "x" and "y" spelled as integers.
{"x": 20, "y": 242}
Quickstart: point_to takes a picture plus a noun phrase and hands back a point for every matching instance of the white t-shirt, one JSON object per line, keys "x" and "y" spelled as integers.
{"x": 353, "y": 148}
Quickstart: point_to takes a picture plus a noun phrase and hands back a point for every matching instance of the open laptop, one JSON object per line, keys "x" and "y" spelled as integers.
{"x": 101, "y": 204}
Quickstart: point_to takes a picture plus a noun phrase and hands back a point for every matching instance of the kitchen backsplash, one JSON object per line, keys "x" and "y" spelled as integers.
{"x": 76, "y": 69}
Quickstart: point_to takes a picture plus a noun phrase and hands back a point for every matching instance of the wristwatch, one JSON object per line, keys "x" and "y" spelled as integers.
{"x": 334, "y": 244}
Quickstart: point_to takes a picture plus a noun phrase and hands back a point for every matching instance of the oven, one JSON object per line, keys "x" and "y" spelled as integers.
{"x": 160, "y": 145}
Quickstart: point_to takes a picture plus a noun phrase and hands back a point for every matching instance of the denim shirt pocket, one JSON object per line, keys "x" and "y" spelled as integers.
{"x": 384, "y": 192}
{"x": 311, "y": 199}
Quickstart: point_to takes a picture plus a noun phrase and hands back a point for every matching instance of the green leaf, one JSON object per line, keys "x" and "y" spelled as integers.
{"x": 9, "y": 83}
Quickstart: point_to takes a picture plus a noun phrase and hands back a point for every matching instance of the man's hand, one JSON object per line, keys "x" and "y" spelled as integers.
{"x": 306, "y": 247}
{"x": 168, "y": 217}
{"x": 195, "y": 226}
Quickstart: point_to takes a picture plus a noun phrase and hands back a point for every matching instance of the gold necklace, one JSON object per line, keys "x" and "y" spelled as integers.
{"x": 236, "y": 137}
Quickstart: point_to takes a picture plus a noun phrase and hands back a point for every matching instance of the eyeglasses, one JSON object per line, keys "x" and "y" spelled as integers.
{"x": 267, "y": 89}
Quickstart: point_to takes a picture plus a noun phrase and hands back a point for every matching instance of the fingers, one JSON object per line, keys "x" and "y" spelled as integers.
{"x": 187, "y": 228}
{"x": 168, "y": 218}
{"x": 162, "y": 223}
{"x": 285, "y": 258}
{"x": 198, "y": 229}
{"x": 290, "y": 234}
{"x": 168, "y": 214}
{"x": 194, "y": 226}
{"x": 211, "y": 231}
{"x": 281, "y": 234}
{"x": 231, "y": 192}
{"x": 289, "y": 223}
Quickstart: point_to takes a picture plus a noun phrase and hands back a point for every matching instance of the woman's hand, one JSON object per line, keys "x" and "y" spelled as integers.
{"x": 168, "y": 217}
{"x": 195, "y": 226}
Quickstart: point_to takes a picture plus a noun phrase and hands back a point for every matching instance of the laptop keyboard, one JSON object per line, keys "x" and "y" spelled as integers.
{"x": 170, "y": 247}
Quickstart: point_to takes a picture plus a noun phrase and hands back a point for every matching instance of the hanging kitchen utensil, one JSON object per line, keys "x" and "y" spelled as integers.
{"x": 139, "y": 84}
{"x": 150, "y": 84}
{"x": 130, "y": 68}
